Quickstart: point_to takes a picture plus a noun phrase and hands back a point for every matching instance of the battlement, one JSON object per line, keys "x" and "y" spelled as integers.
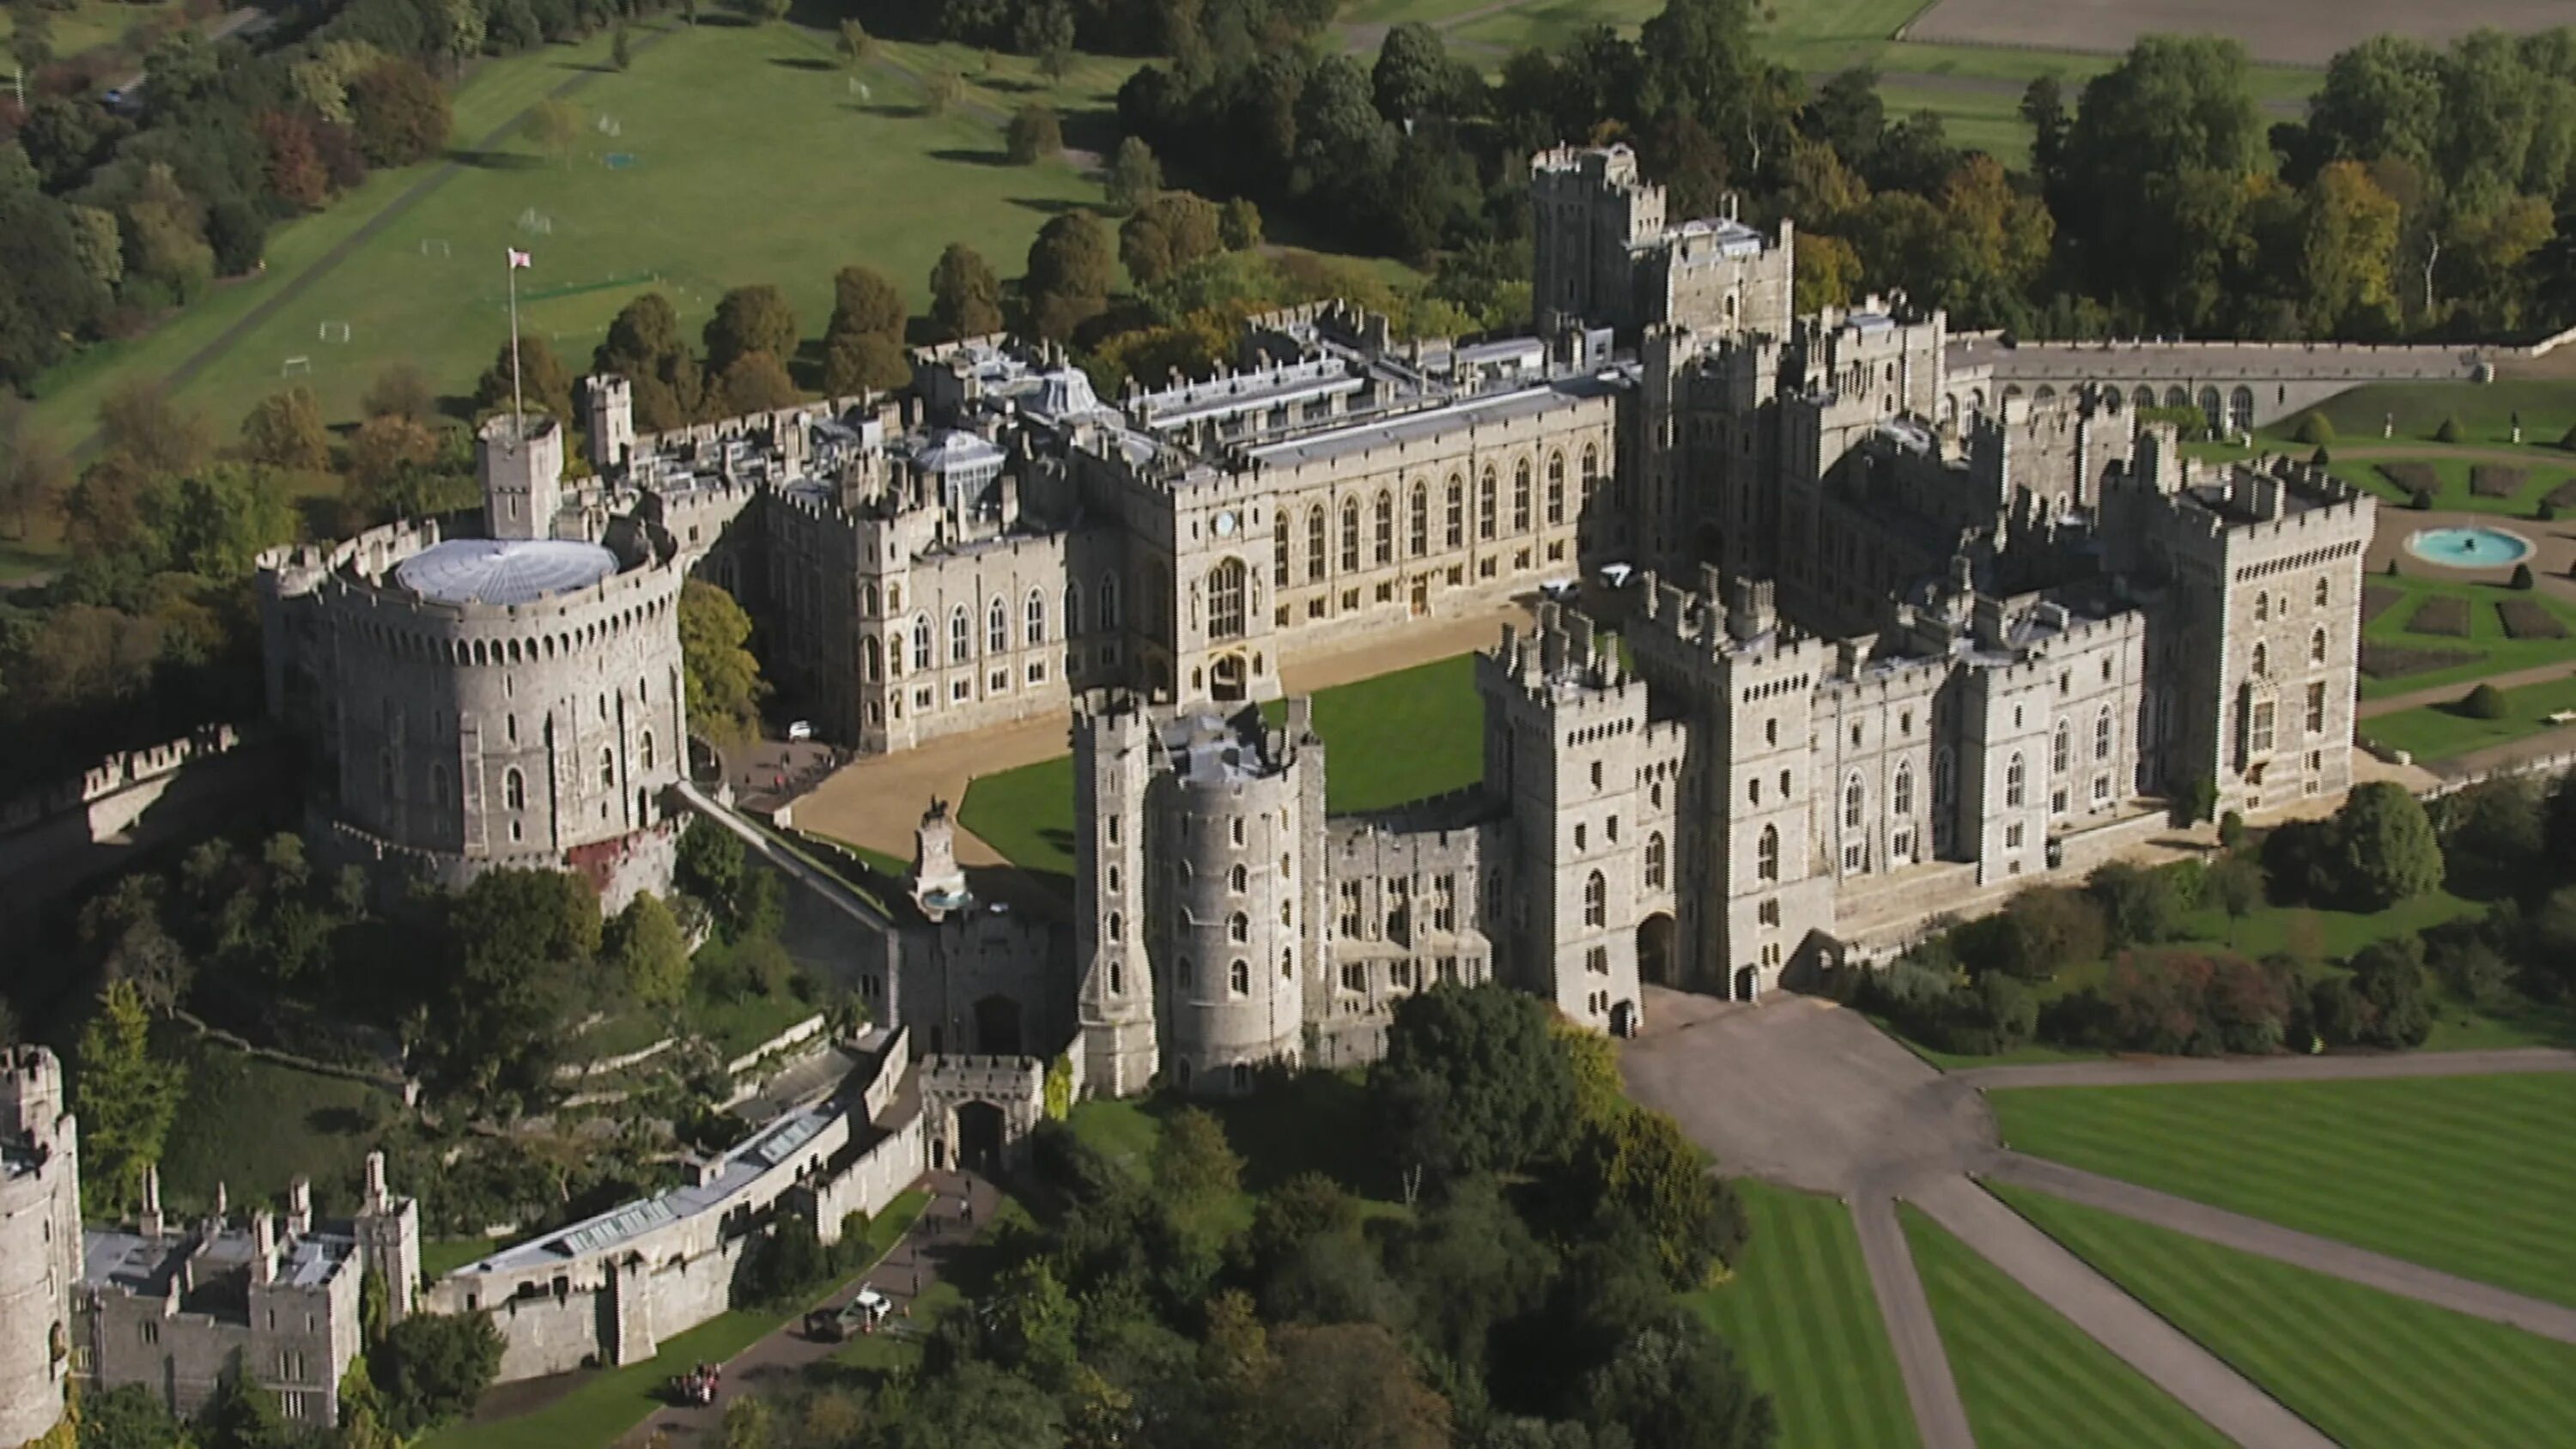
{"x": 31, "y": 1095}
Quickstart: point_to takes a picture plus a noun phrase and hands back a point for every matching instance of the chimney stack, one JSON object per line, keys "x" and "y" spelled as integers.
{"x": 376, "y": 1196}
{"x": 263, "y": 1248}
{"x": 299, "y": 1206}
{"x": 151, "y": 1224}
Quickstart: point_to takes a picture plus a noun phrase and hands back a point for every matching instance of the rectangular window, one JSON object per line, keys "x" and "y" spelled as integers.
{"x": 2101, "y": 788}
{"x": 2012, "y": 837}
{"x": 960, "y": 689}
{"x": 1037, "y": 671}
{"x": 1355, "y": 976}
{"x": 2258, "y": 736}
{"x": 2316, "y": 709}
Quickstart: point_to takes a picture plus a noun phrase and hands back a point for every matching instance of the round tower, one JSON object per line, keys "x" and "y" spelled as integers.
{"x": 1225, "y": 832}
{"x": 40, "y": 1242}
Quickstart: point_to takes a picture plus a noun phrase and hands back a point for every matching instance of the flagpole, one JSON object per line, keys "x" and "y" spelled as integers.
{"x": 518, "y": 407}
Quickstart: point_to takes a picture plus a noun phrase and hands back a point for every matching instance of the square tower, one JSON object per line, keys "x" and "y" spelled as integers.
{"x": 520, "y": 459}
{"x": 1113, "y": 765}
{"x": 612, "y": 421}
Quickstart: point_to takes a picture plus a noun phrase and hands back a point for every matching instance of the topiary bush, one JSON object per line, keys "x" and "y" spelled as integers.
{"x": 2567, "y": 439}
{"x": 2449, "y": 431}
{"x": 2522, "y": 576}
{"x": 2320, "y": 458}
{"x": 2485, "y": 702}
{"x": 2315, "y": 429}
{"x": 2421, "y": 500}
{"x": 2547, "y": 512}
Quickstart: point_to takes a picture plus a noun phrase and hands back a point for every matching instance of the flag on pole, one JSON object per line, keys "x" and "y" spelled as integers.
{"x": 519, "y": 259}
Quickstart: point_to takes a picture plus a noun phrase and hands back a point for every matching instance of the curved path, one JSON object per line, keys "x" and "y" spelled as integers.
{"x": 1805, "y": 1093}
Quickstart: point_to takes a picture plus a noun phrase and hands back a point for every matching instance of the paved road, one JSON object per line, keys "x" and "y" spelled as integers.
{"x": 782, "y": 1358}
{"x": 2304, "y": 1250}
{"x": 2162, "y": 1071}
{"x": 1930, "y": 1390}
{"x": 2110, "y": 1317}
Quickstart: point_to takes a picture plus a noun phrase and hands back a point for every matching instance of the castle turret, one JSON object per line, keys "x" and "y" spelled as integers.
{"x": 388, "y": 1229}
{"x": 1113, "y": 751}
{"x": 611, "y": 401}
{"x": 40, "y": 1242}
{"x": 520, "y": 459}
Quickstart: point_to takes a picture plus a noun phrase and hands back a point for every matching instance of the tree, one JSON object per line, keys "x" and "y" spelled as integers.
{"x": 543, "y": 382}
{"x": 139, "y": 423}
{"x": 1135, "y": 176}
{"x": 864, "y": 362}
{"x": 401, "y": 390}
{"x": 2235, "y": 883}
{"x": 965, "y": 295}
{"x": 1034, "y": 135}
{"x": 1239, "y": 224}
{"x": 1344, "y": 1386}
{"x": 2316, "y": 429}
{"x": 284, "y": 430}
{"x": 519, "y": 945}
{"x": 2486, "y": 702}
{"x": 1046, "y": 31}
{"x": 711, "y": 861}
{"x": 1676, "y": 1385}
{"x": 649, "y": 952}
{"x": 401, "y": 114}
{"x": 756, "y": 382}
{"x": 864, "y": 302}
{"x": 621, "y": 49}
{"x": 431, "y": 1368}
{"x": 1472, "y": 1082}
{"x": 384, "y": 449}
{"x": 1194, "y": 1167}
{"x": 940, "y": 91}
{"x": 645, "y": 347}
{"x": 1070, "y": 267}
{"x": 2348, "y": 254}
{"x": 1167, "y": 234}
{"x": 2384, "y": 848}
{"x": 750, "y": 319}
{"x": 127, "y": 1097}
{"x": 2139, "y": 907}
{"x": 857, "y": 46}
{"x": 32, "y": 474}
{"x": 2389, "y": 979}
{"x": 1412, "y": 77}
{"x": 217, "y": 522}
{"x": 1642, "y": 1166}
{"x": 2449, "y": 431}
{"x": 725, "y": 687}
{"x": 554, "y": 125}
{"x": 2042, "y": 930}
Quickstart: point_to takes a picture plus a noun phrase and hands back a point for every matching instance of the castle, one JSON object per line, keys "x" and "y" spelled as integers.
{"x": 1866, "y": 641}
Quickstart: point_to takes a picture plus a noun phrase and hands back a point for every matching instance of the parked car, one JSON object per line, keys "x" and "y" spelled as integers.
{"x": 801, "y": 731}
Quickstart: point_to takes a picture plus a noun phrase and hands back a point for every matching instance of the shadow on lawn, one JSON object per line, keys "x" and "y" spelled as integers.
{"x": 496, "y": 160}
{"x": 802, "y": 62}
{"x": 971, "y": 158}
{"x": 1047, "y": 205}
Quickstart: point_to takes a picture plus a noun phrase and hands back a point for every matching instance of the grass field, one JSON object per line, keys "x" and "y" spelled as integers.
{"x": 2465, "y": 1174}
{"x": 2416, "y": 410}
{"x": 1800, "y": 1313}
{"x": 253, "y": 1126}
{"x": 89, "y": 24}
{"x": 2029, "y": 1378}
{"x": 2454, "y": 474}
{"x": 1390, "y": 739}
{"x": 612, "y": 1401}
{"x": 2439, "y": 731}
{"x": 714, "y": 222}
{"x": 2372, "y": 1369}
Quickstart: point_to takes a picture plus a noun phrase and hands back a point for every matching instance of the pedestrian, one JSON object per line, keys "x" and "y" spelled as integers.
{"x": 966, "y": 1207}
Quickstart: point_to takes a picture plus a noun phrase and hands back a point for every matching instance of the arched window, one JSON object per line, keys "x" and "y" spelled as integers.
{"x": 607, "y": 768}
{"x": 644, "y": 749}
{"x": 921, "y": 641}
{"x": 2262, "y": 661}
{"x": 1238, "y": 927}
{"x": 1225, "y": 590}
{"x": 2317, "y": 647}
{"x": 868, "y": 600}
{"x": 438, "y": 783}
{"x": 1238, "y": 978}
{"x": 2262, "y": 605}
{"x": 1350, "y": 535}
{"x": 2013, "y": 793}
{"x": 1315, "y": 543}
{"x": 1902, "y": 797}
{"x": 997, "y": 627}
{"x": 2102, "y": 735}
{"x": 1279, "y": 558}
{"x": 1521, "y": 496}
{"x": 1556, "y": 487}
{"x": 2058, "y": 750}
{"x": 514, "y": 791}
{"x": 1238, "y": 879}
{"x": 1418, "y": 524}
{"x": 1852, "y": 796}
{"x": 1109, "y": 603}
{"x": 1945, "y": 778}
{"x": 871, "y": 660}
{"x": 1385, "y": 520}
{"x": 2325, "y": 591}
{"x": 1454, "y": 529}
{"x": 1487, "y": 497}
{"x": 1591, "y": 472}
{"x": 1596, "y": 900}
{"x": 1766, "y": 854}
{"x": 1655, "y": 861}
{"x": 1036, "y": 621}
{"x": 1117, "y": 927}
{"x": 1072, "y": 610}
{"x": 961, "y": 643}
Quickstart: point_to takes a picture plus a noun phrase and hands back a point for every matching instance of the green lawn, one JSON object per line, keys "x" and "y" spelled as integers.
{"x": 2439, "y": 731}
{"x": 2454, "y": 473}
{"x": 2469, "y": 1175}
{"x": 253, "y": 1126}
{"x": 1390, "y": 739}
{"x": 2029, "y": 1378}
{"x": 2372, "y": 1369}
{"x": 2485, "y": 411}
{"x": 89, "y": 24}
{"x": 442, "y": 1256}
{"x": 1800, "y": 1313}
{"x": 612, "y": 1401}
{"x": 2494, "y": 651}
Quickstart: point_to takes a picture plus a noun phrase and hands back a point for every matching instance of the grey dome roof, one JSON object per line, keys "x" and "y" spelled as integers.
{"x": 496, "y": 571}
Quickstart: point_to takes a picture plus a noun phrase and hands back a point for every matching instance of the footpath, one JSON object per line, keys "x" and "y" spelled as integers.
{"x": 774, "y": 1364}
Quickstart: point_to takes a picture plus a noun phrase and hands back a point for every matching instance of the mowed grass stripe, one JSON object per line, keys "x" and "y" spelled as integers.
{"x": 2029, "y": 1378}
{"x": 2372, "y": 1369}
{"x": 1800, "y": 1314}
{"x": 2465, "y": 1174}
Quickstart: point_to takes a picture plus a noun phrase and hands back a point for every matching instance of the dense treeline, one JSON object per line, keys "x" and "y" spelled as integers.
{"x": 2427, "y": 191}
{"x": 1499, "y": 1266}
{"x": 2168, "y": 987}
{"x": 111, "y": 215}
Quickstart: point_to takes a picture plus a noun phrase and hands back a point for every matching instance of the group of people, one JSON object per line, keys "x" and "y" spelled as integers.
{"x": 698, "y": 1386}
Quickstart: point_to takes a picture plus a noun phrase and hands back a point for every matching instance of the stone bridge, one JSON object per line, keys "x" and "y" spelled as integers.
{"x": 2238, "y": 386}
